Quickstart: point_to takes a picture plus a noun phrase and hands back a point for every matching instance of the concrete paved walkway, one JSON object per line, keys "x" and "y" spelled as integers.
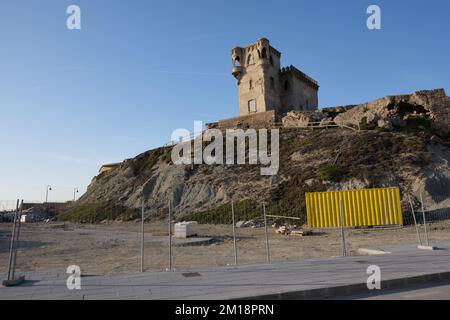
{"x": 423, "y": 292}
{"x": 307, "y": 279}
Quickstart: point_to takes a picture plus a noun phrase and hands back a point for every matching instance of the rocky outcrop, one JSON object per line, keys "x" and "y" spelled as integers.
{"x": 414, "y": 160}
{"x": 427, "y": 106}
{"x": 296, "y": 119}
{"x": 395, "y": 111}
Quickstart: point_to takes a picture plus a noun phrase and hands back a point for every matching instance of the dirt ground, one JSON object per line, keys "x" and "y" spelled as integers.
{"x": 115, "y": 248}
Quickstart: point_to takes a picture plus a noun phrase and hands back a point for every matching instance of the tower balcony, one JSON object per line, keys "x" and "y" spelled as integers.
{"x": 237, "y": 71}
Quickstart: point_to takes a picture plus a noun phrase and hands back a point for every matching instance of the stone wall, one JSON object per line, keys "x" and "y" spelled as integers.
{"x": 294, "y": 119}
{"x": 298, "y": 92}
{"x": 427, "y": 106}
{"x": 260, "y": 120}
{"x": 437, "y": 102}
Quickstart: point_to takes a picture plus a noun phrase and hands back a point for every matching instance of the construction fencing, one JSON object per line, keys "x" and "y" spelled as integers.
{"x": 108, "y": 247}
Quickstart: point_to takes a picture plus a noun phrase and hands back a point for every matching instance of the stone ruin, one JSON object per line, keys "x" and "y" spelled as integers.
{"x": 421, "y": 107}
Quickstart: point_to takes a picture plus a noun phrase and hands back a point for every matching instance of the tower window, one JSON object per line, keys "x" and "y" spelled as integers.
{"x": 252, "y": 106}
{"x": 264, "y": 53}
{"x": 271, "y": 60}
{"x": 272, "y": 83}
{"x": 250, "y": 85}
{"x": 287, "y": 86}
{"x": 237, "y": 62}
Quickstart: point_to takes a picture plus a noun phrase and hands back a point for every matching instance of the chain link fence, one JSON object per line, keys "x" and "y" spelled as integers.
{"x": 108, "y": 239}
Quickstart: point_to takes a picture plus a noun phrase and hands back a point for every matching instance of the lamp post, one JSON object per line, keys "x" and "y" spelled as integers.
{"x": 75, "y": 191}
{"x": 49, "y": 188}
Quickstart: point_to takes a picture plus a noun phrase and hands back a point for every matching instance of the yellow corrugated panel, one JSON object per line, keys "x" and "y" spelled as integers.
{"x": 367, "y": 207}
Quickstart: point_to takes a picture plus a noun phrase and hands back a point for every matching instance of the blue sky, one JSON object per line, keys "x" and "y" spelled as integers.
{"x": 72, "y": 100}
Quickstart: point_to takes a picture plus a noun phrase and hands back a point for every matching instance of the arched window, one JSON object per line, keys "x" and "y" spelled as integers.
{"x": 271, "y": 60}
{"x": 287, "y": 86}
{"x": 250, "y": 85}
{"x": 264, "y": 53}
{"x": 237, "y": 62}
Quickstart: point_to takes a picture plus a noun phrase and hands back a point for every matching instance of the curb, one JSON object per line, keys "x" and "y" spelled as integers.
{"x": 372, "y": 252}
{"x": 353, "y": 289}
{"x": 426, "y": 248}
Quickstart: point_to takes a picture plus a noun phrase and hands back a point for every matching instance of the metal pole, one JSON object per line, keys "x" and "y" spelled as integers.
{"x": 170, "y": 236}
{"x": 344, "y": 249}
{"x": 415, "y": 221}
{"x": 16, "y": 246}
{"x": 234, "y": 234}
{"x": 267, "y": 234}
{"x": 142, "y": 235}
{"x": 424, "y": 222}
{"x": 13, "y": 237}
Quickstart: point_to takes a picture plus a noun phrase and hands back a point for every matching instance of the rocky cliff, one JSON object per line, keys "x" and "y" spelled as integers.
{"x": 397, "y": 141}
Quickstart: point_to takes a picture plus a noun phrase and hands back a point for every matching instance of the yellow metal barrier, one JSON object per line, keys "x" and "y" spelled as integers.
{"x": 368, "y": 207}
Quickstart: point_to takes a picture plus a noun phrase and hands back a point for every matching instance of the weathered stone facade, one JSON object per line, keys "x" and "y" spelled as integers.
{"x": 426, "y": 106}
{"x": 263, "y": 85}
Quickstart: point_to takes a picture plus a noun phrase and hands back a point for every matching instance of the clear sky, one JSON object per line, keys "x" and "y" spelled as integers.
{"x": 137, "y": 70}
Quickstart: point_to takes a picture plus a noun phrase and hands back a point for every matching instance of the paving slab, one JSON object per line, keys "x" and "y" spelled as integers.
{"x": 310, "y": 279}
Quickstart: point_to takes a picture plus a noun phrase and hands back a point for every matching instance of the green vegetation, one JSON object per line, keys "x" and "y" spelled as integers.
{"x": 97, "y": 212}
{"x": 145, "y": 162}
{"x": 243, "y": 210}
{"x": 331, "y": 173}
{"x": 417, "y": 124}
{"x": 363, "y": 125}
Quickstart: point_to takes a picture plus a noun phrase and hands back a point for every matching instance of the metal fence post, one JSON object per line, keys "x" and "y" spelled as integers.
{"x": 13, "y": 237}
{"x": 142, "y": 235}
{"x": 170, "y": 235}
{"x": 415, "y": 221}
{"x": 234, "y": 234}
{"x": 266, "y": 233}
{"x": 16, "y": 245}
{"x": 424, "y": 222}
{"x": 341, "y": 210}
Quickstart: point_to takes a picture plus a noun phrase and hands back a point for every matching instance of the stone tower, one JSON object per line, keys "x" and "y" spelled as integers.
{"x": 264, "y": 86}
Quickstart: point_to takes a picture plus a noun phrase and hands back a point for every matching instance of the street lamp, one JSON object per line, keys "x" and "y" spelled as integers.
{"x": 49, "y": 188}
{"x": 75, "y": 191}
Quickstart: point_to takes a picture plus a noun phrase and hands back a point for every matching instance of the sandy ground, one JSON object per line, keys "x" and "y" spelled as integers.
{"x": 115, "y": 248}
